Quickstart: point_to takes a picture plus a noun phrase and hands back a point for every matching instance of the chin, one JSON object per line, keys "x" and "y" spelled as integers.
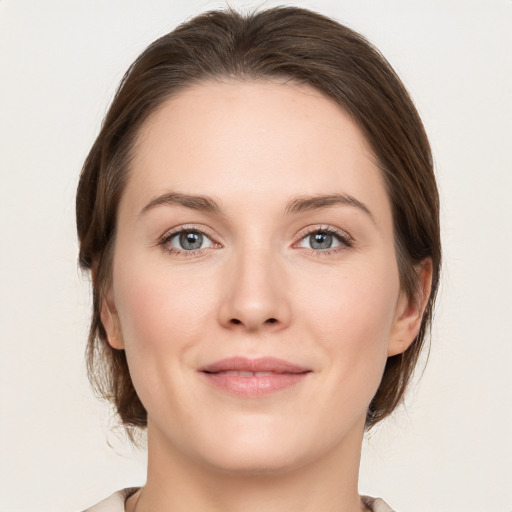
{"x": 256, "y": 460}
{"x": 249, "y": 446}
{"x": 262, "y": 447}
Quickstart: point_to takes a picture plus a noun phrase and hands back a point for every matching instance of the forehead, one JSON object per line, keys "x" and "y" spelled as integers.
{"x": 262, "y": 139}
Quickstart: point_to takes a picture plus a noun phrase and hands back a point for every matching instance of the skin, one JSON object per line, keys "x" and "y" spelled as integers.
{"x": 253, "y": 147}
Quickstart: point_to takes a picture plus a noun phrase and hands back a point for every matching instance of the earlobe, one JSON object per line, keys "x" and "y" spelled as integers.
{"x": 410, "y": 310}
{"x": 110, "y": 321}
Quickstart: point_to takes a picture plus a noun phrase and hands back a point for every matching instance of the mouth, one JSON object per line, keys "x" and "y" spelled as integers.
{"x": 251, "y": 378}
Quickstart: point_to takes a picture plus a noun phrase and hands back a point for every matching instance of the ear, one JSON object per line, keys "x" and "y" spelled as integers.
{"x": 409, "y": 311}
{"x": 110, "y": 321}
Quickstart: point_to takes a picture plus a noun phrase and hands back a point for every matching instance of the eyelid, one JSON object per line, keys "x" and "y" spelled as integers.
{"x": 345, "y": 239}
{"x": 164, "y": 240}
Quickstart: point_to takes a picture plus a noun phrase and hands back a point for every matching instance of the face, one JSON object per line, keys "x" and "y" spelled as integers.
{"x": 255, "y": 284}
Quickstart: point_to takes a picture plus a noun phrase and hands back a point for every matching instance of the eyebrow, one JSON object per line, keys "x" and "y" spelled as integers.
{"x": 308, "y": 203}
{"x": 201, "y": 203}
{"x": 296, "y": 205}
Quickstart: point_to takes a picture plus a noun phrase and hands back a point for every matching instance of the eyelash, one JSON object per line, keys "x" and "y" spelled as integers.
{"x": 166, "y": 239}
{"x": 346, "y": 241}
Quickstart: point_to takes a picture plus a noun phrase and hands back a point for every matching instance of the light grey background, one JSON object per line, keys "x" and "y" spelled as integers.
{"x": 60, "y": 62}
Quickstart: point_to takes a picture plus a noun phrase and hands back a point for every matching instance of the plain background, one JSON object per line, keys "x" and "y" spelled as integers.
{"x": 450, "y": 449}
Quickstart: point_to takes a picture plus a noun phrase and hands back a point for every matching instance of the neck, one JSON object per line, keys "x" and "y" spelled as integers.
{"x": 177, "y": 482}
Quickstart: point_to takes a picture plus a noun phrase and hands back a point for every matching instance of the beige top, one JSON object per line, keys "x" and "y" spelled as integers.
{"x": 115, "y": 503}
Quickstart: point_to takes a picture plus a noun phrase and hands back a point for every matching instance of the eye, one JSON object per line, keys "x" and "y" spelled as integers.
{"x": 325, "y": 240}
{"x": 186, "y": 240}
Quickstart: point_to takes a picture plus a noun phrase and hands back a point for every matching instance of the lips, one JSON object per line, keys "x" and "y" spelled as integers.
{"x": 261, "y": 364}
{"x": 253, "y": 377}
{"x": 245, "y": 374}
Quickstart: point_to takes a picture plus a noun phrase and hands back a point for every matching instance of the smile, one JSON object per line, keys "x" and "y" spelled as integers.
{"x": 252, "y": 378}
{"x": 247, "y": 374}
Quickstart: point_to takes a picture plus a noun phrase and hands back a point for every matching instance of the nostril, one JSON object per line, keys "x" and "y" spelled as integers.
{"x": 237, "y": 322}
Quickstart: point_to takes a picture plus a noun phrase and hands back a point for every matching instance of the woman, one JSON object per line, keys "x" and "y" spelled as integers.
{"x": 260, "y": 218}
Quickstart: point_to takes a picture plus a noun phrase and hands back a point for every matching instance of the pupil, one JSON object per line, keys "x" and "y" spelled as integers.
{"x": 321, "y": 241}
{"x": 190, "y": 240}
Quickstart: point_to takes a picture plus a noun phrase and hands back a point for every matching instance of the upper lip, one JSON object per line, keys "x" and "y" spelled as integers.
{"x": 260, "y": 364}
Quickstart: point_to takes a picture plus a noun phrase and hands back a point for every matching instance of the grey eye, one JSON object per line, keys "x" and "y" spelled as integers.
{"x": 320, "y": 241}
{"x": 189, "y": 240}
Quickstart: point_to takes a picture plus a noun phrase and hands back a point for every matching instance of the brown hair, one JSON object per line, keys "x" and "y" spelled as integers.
{"x": 284, "y": 43}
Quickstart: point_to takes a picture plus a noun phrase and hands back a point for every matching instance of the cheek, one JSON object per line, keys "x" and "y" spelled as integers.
{"x": 163, "y": 319}
{"x": 356, "y": 299}
{"x": 351, "y": 317}
{"x": 158, "y": 311}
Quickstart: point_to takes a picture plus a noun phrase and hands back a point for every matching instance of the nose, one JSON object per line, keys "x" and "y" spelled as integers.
{"x": 255, "y": 293}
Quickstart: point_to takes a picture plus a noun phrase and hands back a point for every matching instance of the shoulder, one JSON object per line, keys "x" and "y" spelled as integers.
{"x": 114, "y": 503}
{"x": 376, "y": 504}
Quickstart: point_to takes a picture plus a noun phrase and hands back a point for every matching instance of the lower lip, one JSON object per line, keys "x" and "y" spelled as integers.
{"x": 256, "y": 386}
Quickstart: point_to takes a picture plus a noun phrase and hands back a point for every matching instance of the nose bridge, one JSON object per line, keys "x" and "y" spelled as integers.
{"x": 255, "y": 288}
